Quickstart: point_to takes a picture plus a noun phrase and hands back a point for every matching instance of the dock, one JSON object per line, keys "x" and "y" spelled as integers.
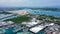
{"x": 17, "y": 30}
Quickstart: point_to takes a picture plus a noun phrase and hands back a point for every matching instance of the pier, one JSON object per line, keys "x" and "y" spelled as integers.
{"x": 15, "y": 31}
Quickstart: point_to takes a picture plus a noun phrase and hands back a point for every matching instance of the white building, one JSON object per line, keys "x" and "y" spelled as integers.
{"x": 33, "y": 22}
{"x": 6, "y": 23}
{"x": 29, "y": 24}
{"x": 38, "y": 28}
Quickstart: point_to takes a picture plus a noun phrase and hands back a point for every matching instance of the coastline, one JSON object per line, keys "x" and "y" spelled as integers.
{"x": 20, "y": 12}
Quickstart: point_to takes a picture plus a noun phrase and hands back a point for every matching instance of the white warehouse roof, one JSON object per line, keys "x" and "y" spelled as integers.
{"x": 37, "y": 28}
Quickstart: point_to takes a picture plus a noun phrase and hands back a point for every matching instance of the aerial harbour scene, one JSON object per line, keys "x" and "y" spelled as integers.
{"x": 29, "y": 17}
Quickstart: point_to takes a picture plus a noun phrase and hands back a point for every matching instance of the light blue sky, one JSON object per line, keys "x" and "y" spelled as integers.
{"x": 29, "y": 3}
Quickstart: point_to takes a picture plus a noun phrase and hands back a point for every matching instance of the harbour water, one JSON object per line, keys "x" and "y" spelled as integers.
{"x": 9, "y": 31}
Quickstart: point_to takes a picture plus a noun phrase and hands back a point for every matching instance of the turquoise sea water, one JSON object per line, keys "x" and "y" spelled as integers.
{"x": 52, "y": 13}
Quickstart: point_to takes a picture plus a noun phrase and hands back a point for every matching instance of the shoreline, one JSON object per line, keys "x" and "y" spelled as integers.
{"x": 20, "y": 12}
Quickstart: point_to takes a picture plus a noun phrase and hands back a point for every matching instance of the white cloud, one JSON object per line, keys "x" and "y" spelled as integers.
{"x": 29, "y": 2}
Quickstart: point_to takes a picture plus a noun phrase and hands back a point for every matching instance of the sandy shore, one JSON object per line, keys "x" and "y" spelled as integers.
{"x": 21, "y": 12}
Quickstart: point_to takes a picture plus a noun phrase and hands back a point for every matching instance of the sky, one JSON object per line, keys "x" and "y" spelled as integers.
{"x": 29, "y": 3}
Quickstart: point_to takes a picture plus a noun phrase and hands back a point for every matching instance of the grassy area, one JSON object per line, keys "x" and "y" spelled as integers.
{"x": 28, "y": 17}
{"x": 20, "y": 19}
{"x": 58, "y": 21}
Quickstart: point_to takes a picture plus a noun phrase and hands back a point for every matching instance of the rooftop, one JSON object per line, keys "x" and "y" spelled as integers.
{"x": 6, "y": 23}
{"x": 30, "y": 24}
{"x": 37, "y": 28}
